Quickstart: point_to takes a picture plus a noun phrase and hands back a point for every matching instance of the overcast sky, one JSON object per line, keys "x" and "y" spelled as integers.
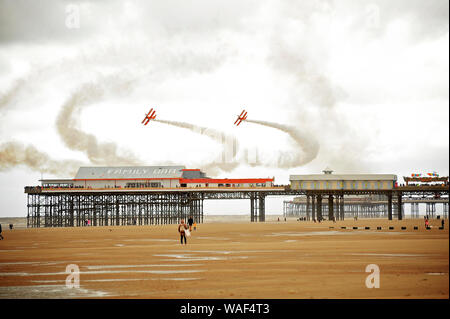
{"x": 364, "y": 85}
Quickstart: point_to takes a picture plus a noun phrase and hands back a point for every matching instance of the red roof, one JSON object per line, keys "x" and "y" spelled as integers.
{"x": 225, "y": 180}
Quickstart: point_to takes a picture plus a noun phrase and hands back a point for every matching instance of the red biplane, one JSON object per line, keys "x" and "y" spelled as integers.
{"x": 151, "y": 115}
{"x": 241, "y": 118}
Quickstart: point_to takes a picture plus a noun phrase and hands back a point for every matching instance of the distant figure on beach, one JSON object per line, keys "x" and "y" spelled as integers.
{"x": 195, "y": 226}
{"x": 442, "y": 223}
{"x": 1, "y": 232}
{"x": 190, "y": 222}
{"x": 182, "y": 230}
{"x": 427, "y": 224}
{"x": 11, "y": 226}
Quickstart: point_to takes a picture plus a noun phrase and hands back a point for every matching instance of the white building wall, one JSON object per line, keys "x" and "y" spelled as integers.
{"x": 166, "y": 183}
{"x": 341, "y": 184}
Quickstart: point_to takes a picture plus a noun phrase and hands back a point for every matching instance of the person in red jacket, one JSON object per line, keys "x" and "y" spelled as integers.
{"x": 182, "y": 230}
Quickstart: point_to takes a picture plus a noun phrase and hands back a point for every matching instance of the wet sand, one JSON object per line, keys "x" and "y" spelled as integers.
{"x": 228, "y": 260}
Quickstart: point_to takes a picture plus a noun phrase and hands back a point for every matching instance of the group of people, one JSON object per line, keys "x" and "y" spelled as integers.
{"x": 185, "y": 230}
{"x": 427, "y": 222}
{"x": 10, "y": 227}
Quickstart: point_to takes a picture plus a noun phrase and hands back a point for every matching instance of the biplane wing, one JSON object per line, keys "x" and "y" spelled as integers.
{"x": 241, "y": 117}
{"x": 151, "y": 115}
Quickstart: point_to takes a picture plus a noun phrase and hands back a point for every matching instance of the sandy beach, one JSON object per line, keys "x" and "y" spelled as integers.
{"x": 228, "y": 260}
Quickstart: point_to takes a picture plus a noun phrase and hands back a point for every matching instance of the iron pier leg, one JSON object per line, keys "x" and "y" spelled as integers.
{"x": 330, "y": 207}
{"x": 399, "y": 206}
{"x": 308, "y": 207}
{"x": 252, "y": 207}
{"x": 262, "y": 208}
{"x": 389, "y": 206}
{"x": 319, "y": 207}
{"x": 313, "y": 206}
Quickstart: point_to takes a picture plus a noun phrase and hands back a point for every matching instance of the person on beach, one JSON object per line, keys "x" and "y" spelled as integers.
{"x": 190, "y": 222}
{"x": 1, "y": 232}
{"x": 427, "y": 224}
{"x": 11, "y": 226}
{"x": 195, "y": 226}
{"x": 442, "y": 223}
{"x": 182, "y": 230}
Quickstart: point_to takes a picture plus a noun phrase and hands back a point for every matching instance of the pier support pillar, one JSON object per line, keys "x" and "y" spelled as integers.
{"x": 308, "y": 207}
{"x": 117, "y": 214}
{"x": 445, "y": 210}
{"x": 399, "y": 207}
{"x": 262, "y": 208}
{"x": 319, "y": 207}
{"x": 330, "y": 207}
{"x": 313, "y": 207}
{"x": 341, "y": 208}
{"x": 253, "y": 207}
{"x": 389, "y": 206}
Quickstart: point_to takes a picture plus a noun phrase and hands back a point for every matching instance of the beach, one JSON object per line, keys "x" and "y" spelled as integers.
{"x": 229, "y": 259}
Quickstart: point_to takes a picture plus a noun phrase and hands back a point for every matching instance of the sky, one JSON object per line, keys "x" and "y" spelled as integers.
{"x": 358, "y": 86}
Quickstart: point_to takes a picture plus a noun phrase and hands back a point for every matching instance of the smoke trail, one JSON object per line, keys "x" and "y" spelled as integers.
{"x": 75, "y": 139}
{"x": 15, "y": 154}
{"x": 309, "y": 146}
{"x": 226, "y": 162}
{"x": 10, "y": 94}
